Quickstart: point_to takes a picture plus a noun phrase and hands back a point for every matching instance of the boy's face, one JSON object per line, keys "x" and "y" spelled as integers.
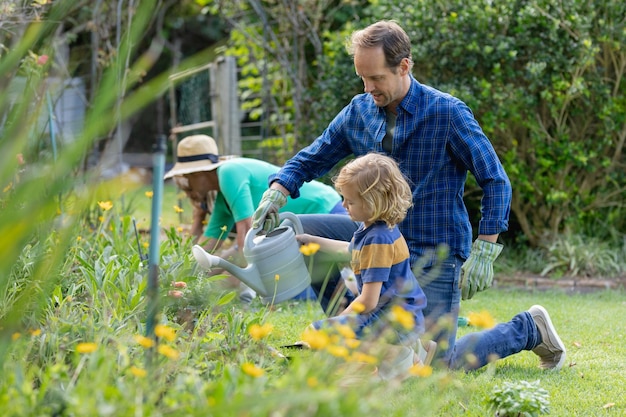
{"x": 355, "y": 205}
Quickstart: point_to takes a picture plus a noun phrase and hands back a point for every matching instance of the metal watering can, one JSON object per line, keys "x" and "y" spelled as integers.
{"x": 276, "y": 268}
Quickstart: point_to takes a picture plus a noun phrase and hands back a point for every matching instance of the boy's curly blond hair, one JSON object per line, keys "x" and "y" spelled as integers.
{"x": 380, "y": 184}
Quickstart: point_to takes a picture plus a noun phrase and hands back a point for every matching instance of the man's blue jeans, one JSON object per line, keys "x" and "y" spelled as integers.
{"x": 440, "y": 280}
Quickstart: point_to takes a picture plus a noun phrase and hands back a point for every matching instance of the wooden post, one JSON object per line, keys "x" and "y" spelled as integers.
{"x": 225, "y": 105}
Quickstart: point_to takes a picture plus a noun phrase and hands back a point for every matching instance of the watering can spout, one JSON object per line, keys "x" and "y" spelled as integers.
{"x": 249, "y": 275}
{"x": 276, "y": 268}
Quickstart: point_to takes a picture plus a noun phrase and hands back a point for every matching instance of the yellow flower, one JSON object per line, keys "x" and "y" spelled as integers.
{"x": 312, "y": 382}
{"x": 224, "y": 229}
{"x": 138, "y": 372}
{"x": 420, "y": 370}
{"x": 179, "y": 229}
{"x": 79, "y": 238}
{"x": 346, "y": 331}
{"x": 168, "y": 351}
{"x": 105, "y": 205}
{"x": 149, "y": 194}
{"x": 86, "y": 347}
{"x": 8, "y": 187}
{"x": 309, "y": 249}
{"x": 145, "y": 244}
{"x": 15, "y": 336}
{"x": 258, "y": 332}
{"x": 252, "y": 370}
{"x": 403, "y": 317}
{"x": 482, "y": 319}
{"x": 352, "y": 343}
{"x": 165, "y": 332}
{"x": 144, "y": 341}
{"x": 178, "y": 209}
{"x": 358, "y": 307}
{"x": 362, "y": 357}
{"x": 100, "y": 219}
{"x": 276, "y": 277}
{"x": 338, "y": 351}
{"x": 35, "y": 332}
{"x": 314, "y": 247}
{"x": 315, "y": 338}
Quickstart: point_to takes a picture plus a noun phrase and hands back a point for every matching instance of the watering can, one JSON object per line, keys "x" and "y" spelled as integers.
{"x": 276, "y": 268}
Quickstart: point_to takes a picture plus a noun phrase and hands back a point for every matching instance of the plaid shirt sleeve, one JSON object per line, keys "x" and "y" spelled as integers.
{"x": 470, "y": 145}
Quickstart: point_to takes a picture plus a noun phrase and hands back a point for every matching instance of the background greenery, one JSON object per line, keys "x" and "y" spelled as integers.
{"x": 73, "y": 270}
{"x": 544, "y": 78}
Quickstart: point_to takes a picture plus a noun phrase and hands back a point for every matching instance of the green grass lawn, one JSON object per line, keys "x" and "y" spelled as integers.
{"x": 591, "y": 383}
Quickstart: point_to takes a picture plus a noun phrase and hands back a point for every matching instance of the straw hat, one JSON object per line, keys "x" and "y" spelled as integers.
{"x": 194, "y": 154}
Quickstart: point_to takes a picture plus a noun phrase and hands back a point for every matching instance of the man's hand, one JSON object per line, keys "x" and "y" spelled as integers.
{"x": 477, "y": 271}
{"x": 266, "y": 215}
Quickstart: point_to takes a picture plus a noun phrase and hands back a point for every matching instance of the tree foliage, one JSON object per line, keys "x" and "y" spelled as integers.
{"x": 279, "y": 45}
{"x": 546, "y": 81}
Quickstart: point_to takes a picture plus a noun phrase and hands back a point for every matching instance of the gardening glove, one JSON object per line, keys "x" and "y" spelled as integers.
{"x": 266, "y": 215}
{"x": 477, "y": 271}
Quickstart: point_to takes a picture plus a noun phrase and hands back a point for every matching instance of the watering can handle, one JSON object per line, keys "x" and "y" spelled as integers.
{"x": 297, "y": 225}
{"x": 287, "y": 215}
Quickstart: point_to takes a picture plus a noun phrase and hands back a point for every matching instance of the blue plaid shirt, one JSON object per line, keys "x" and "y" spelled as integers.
{"x": 435, "y": 142}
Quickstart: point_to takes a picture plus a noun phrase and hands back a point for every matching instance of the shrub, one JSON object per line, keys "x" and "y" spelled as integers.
{"x": 519, "y": 399}
{"x": 547, "y": 82}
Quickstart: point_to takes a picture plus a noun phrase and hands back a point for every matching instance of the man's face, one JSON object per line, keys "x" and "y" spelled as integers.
{"x": 386, "y": 85}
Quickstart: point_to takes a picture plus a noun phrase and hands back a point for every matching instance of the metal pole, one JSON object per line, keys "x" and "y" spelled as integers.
{"x": 158, "y": 168}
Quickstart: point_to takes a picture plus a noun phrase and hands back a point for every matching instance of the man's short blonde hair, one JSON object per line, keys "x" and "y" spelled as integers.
{"x": 385, "y": 34}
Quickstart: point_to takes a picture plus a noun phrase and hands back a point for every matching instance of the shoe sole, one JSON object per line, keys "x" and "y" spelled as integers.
{"x": 546, "y": 318}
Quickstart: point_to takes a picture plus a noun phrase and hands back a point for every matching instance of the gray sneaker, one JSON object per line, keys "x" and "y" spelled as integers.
{"x": 551, "y": 350}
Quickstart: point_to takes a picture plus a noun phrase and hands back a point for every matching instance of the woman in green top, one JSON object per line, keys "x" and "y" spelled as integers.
{"x": 235, "y": 186}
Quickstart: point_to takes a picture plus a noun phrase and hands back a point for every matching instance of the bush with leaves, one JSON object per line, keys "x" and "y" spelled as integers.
{"x": 519, "y": 399}
{"x": 547, "y": 82}
{"x": 279, "y": 48}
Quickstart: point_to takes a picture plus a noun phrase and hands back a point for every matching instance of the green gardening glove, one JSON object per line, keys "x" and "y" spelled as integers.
{"x": 266, "y": 215}
{"x": 477, "y": 271}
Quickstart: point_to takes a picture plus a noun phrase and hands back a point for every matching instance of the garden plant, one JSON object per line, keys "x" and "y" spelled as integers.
{"x": 74, "y": 305}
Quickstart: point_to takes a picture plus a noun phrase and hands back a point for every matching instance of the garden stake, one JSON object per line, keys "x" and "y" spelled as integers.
{"x": 158, "y": 169}
{"x": 142, "y": 257}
